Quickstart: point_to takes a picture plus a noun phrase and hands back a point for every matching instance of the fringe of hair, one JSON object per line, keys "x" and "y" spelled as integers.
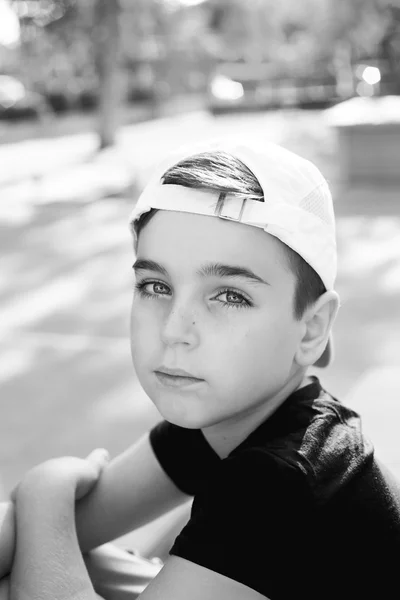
{"x": 216, "y": 171}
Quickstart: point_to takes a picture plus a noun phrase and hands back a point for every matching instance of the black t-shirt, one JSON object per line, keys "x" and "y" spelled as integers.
{"x": 300, "y": 509}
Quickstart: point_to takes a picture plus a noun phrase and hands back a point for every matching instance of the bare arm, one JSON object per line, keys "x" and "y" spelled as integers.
{"x": 48, "y": 564}
{"x": 132, "y": 491}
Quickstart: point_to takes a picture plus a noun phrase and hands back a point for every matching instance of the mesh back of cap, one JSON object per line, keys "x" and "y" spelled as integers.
{"x": 316, "y": 204}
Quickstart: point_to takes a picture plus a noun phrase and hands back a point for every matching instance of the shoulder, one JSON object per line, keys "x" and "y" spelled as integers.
{"x": 332, "y": 449}
{"x": 318, "y": 437}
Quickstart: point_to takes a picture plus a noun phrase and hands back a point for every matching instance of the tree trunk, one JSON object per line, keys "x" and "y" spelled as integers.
{"x": 107, "y": 51}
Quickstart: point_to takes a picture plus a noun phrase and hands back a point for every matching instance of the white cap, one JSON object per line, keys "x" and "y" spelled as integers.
{"x": 297, "y": 206}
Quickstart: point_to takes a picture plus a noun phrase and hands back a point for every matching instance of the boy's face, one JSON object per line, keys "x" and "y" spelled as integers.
{"x": 236, "y": 335}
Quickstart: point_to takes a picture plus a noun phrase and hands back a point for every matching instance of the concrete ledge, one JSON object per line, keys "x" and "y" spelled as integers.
{"x": 369, "y": 153}
{"x": 368, "y": 131}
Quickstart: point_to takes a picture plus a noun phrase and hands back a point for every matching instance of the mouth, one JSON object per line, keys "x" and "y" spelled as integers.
{"x": 176, "y": 378}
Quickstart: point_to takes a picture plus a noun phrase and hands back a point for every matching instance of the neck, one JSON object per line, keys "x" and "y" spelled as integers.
{"x": 224, "y": 437}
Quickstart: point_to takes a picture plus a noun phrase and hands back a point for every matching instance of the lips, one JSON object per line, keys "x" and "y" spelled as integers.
{"x": 177, "y": 373}
{"x": 177, "y": 378}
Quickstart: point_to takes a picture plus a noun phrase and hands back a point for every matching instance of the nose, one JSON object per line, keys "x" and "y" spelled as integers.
{"x": 179, "y": 326}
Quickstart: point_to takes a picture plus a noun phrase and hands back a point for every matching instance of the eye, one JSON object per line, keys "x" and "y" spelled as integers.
{"x": 233, "y": 298}
{"x": 152, "y": 289}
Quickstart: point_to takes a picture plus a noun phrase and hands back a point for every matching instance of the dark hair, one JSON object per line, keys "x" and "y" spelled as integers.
{"x": 220, "y": 171}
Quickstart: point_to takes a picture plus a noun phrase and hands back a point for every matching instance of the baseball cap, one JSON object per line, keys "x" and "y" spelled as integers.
{"x": 297, "y": 206}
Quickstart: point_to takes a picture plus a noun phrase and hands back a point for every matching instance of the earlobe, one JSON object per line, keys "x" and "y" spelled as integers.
{"x": 318, "y": 321}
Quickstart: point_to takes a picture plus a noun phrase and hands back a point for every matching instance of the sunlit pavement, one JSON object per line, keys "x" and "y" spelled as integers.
{"x": 66, "y": 380}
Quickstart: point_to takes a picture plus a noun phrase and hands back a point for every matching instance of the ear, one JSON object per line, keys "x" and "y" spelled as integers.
{"x": 317, "y": 320}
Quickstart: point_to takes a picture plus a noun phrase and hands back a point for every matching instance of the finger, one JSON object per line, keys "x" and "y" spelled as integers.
{"x": 99, "y": 457}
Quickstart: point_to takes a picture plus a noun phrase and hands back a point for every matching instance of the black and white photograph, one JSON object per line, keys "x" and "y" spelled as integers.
{"x": 199, "y": 299}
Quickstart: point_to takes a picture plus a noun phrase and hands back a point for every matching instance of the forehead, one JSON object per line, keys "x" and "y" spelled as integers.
{"x": 185, "y": 241}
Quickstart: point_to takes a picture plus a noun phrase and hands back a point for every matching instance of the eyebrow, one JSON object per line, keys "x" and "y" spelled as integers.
{"x": 207, "y": 270}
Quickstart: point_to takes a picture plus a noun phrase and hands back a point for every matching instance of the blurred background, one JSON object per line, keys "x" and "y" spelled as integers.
{"x": 92, "y": 93}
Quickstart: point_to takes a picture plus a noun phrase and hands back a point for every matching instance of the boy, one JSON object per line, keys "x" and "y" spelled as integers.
{"x": 234, "y": 301}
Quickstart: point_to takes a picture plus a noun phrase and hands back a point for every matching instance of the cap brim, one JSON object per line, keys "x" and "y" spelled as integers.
{"x": 327, "y": 356}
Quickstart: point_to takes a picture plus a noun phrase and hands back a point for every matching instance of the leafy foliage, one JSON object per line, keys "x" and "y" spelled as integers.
{"x": 165, "y": 47}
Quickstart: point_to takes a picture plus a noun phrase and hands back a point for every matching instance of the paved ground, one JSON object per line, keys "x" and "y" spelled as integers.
{"x": 66, "y": 381}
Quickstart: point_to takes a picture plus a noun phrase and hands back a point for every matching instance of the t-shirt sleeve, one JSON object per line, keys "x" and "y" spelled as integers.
{"x": 184, "y": 455}
{"x": 250, "y": 522}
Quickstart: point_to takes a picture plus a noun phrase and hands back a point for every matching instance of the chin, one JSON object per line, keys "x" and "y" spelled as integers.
{"x": 187, "y": 410}
{"x": 182, "y": 419}
{"x": 185, "y": 424}
{"x": 181, "y": 413}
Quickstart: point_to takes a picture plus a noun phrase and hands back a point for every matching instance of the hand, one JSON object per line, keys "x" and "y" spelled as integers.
{"x": 81, "y": 474}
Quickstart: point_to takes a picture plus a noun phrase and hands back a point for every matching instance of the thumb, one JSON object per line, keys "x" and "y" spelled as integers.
{"x": 99, "y": 457}
{"x": 95, "y": 463}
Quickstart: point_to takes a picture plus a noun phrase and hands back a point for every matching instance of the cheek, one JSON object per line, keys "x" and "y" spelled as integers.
{"x": 253, "y": 353}
{"x": 144, "y": 315}
{"x": 143, "y": 329}
{"x": 233, "y": 350}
